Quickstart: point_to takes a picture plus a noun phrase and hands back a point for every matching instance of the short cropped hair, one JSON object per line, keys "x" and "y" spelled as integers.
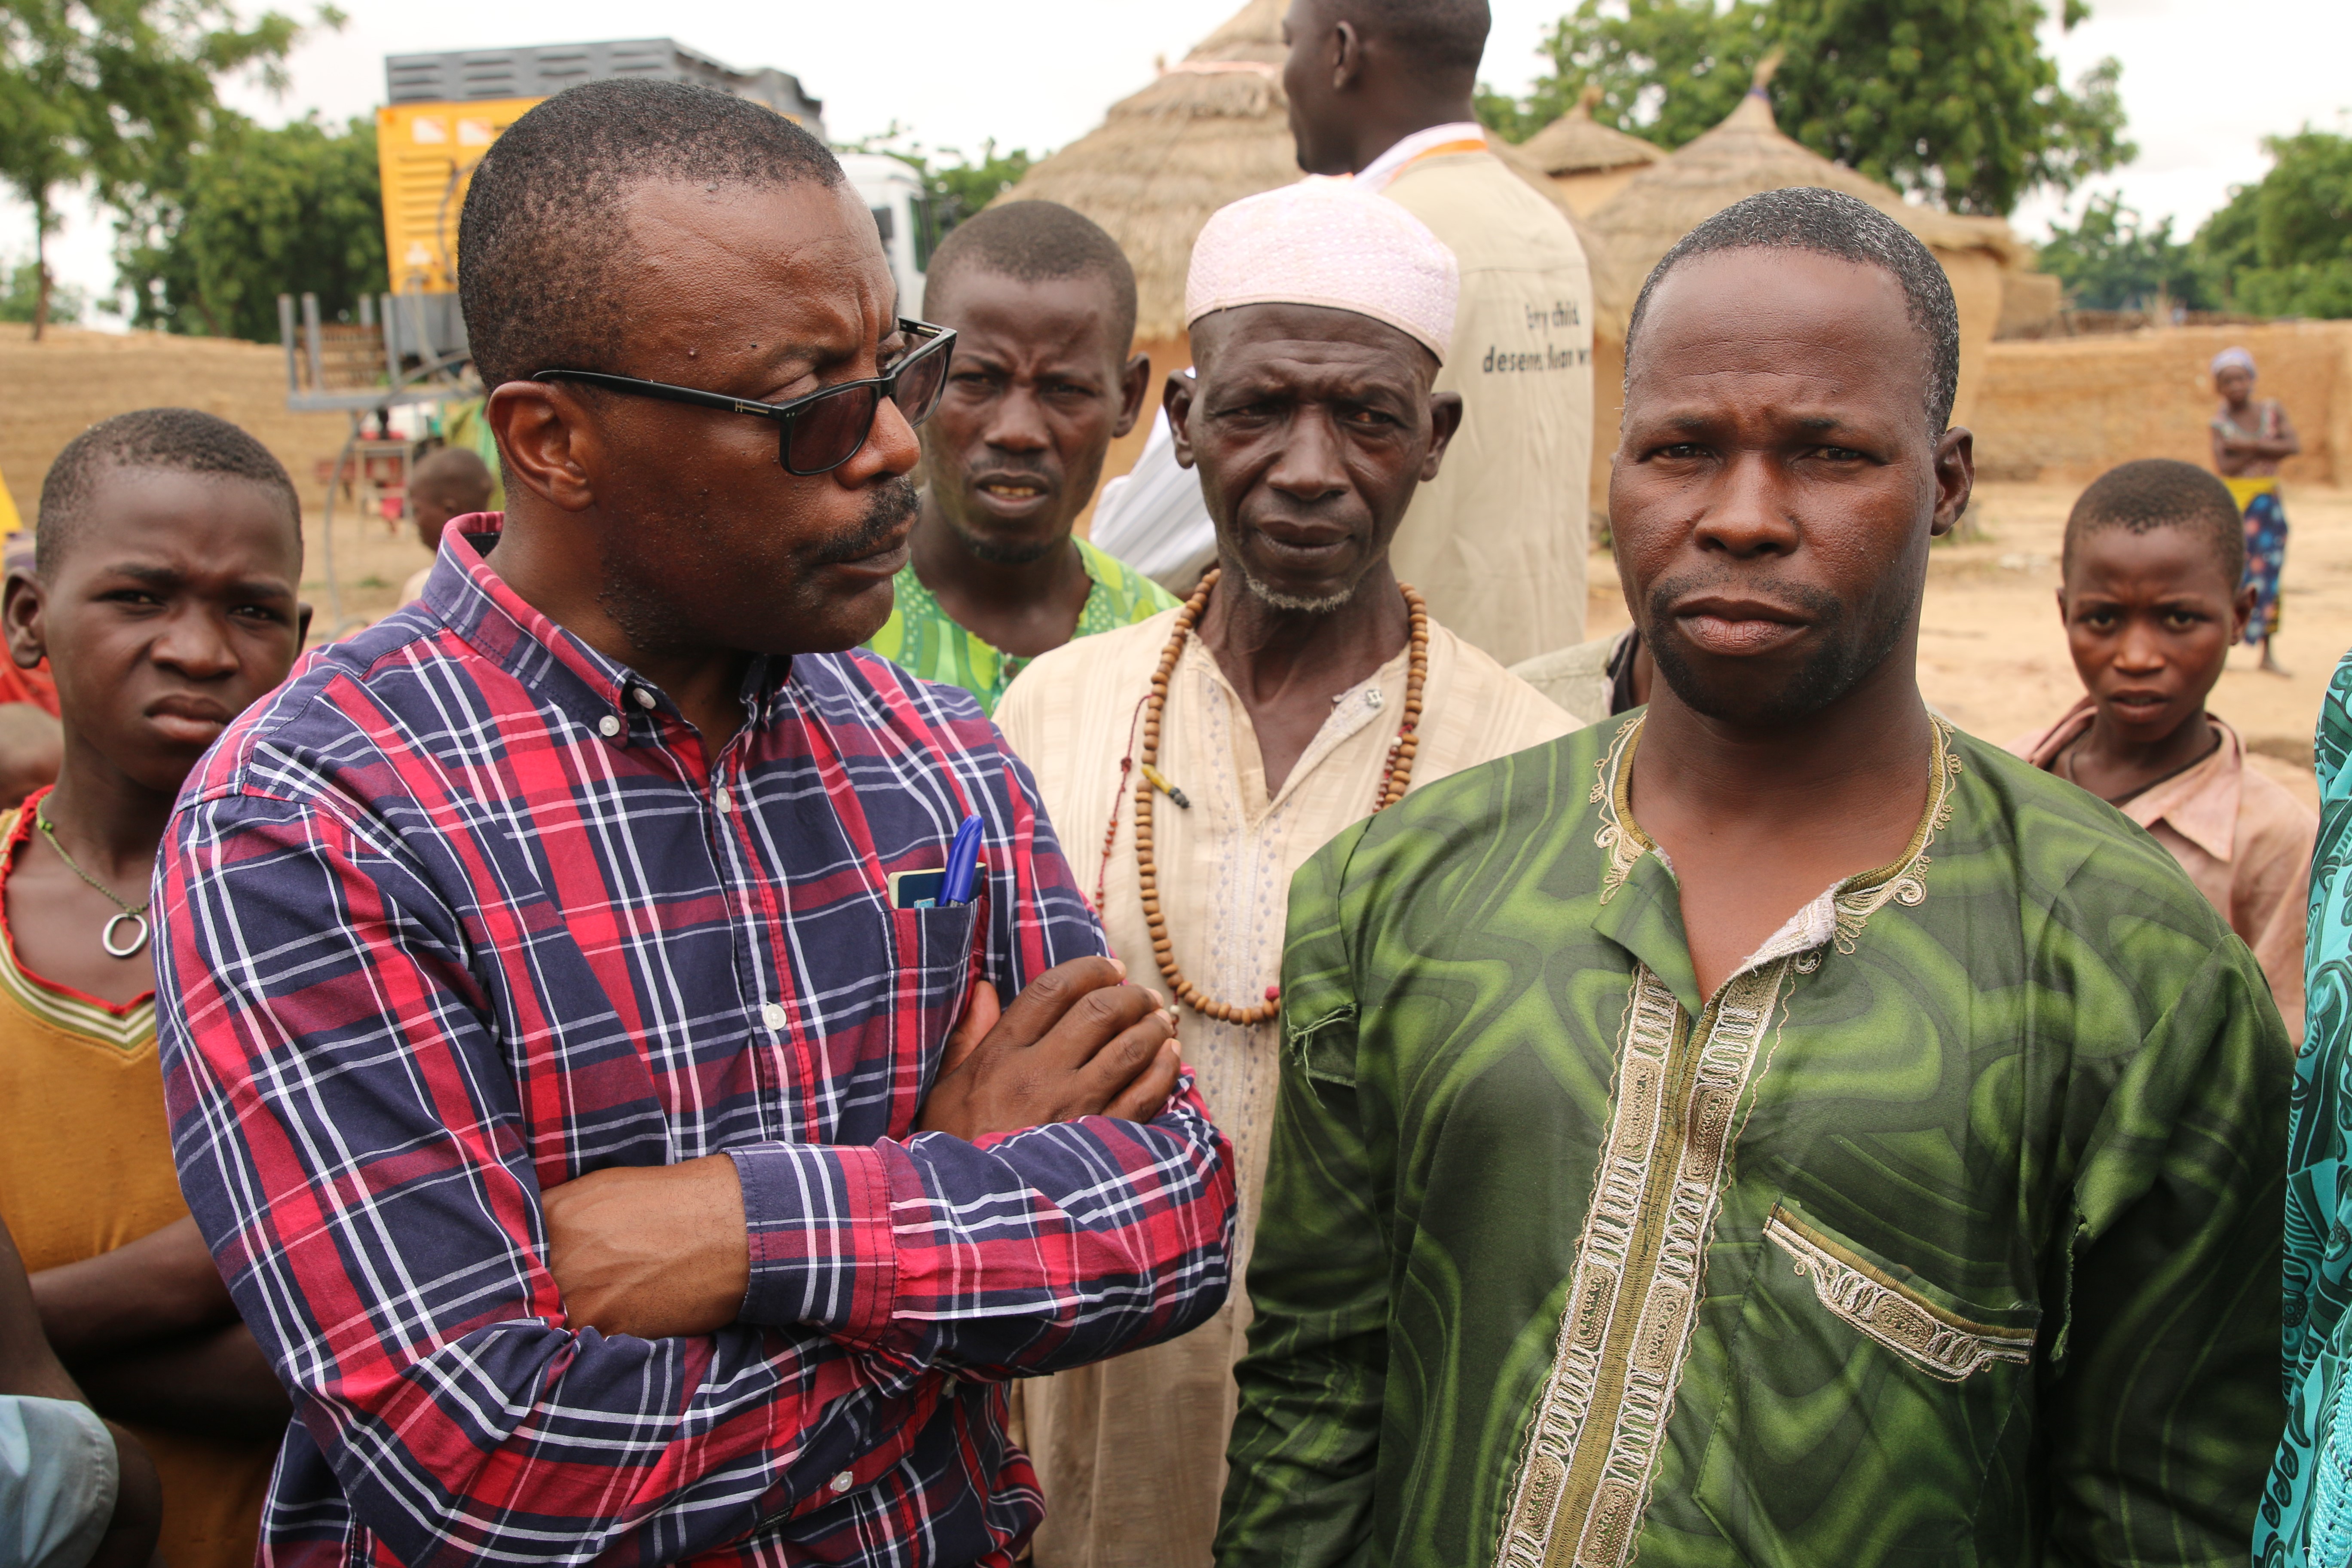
{"x": 542, "y": 247}
{"x": 1033, "y": 242}
{"x": 183, "y": 440}
{"x": 458, "y": 468}
{"x": 2160, "y": 492}
{"x": 1447, "y": 37}
{"x": 1831, "y": 223}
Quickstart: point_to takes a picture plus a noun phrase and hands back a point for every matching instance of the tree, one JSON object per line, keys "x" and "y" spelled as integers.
{"x": 2283, "y": 247}
{"x": 1667, "y": 69}
{"x": 2113, "y": 260}
{"x": 1952, "y": 100}
{"x": 21, "y": 296}
{"x": 955, "y": 190}
{"x": 249, "y": 216}
{"x": 104, "y": 91}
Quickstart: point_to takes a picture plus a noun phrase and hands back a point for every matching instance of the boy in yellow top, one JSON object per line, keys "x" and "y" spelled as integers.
{"x": 169, "y": 551}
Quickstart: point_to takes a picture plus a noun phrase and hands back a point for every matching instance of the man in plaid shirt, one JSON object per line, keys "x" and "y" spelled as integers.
{"x": 613, "y": 1159}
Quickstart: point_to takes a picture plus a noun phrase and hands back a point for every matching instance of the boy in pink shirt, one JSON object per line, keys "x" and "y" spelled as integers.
{"x": 2153, "y": 597}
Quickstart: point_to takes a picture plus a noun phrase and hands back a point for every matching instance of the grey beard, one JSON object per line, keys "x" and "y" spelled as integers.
{"x": 1291, "y": 602}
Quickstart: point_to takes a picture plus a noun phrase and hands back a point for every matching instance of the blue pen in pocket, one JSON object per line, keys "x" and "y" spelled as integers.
{"x": 962, "y": 878}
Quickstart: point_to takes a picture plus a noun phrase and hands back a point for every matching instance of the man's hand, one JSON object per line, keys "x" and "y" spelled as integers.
{"x": 1079, "y": 1041}
{"x": 658, "y": 1251}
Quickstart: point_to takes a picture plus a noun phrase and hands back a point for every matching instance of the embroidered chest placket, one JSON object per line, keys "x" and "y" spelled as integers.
{"x": 1595, "y": 1438}
{"x": 1592, "y": 1446}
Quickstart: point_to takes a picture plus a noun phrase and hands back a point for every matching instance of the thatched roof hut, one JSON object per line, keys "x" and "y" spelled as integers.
{"x": 1588, "y": 162}
{"x": 1748, "y": 153}
{"x": 1213, "y": 128}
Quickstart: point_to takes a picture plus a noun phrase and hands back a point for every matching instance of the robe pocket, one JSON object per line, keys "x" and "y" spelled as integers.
{"x": 1934, "y": 1331}
{"x": 1865, "y": 1415}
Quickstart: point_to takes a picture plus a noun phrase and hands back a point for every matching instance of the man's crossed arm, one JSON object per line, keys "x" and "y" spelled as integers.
{"x": 664, "y": 1251}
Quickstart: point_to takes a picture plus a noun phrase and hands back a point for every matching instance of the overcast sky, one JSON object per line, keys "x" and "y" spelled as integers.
{"x": 2204, "y": 80}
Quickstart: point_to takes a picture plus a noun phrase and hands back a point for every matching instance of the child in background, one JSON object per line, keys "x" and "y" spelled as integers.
{"x": 452, "y": 482}
{"x": 163, "y": 594}
{"x": 2153, "y": 596}
{"x": 2250, "y": 440}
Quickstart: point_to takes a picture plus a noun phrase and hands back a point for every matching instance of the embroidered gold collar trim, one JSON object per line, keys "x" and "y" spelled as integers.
{"x": 1901, "y": 880}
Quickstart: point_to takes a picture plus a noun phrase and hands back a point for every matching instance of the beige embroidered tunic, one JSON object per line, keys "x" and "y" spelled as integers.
{"x": 1131, "y": 1453}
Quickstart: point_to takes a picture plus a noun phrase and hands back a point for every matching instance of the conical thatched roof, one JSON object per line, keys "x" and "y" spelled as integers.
{"x": 1745, "y": 154}
{"x": 1576, "y": 143}
{"x": 1212, "y": 130}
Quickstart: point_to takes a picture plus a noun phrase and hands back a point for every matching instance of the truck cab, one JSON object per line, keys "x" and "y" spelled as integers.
{"x": 894, "y": 193}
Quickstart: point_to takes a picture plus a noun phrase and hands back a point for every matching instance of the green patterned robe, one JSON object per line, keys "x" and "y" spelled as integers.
{"x": 2307, "y": 1515}
{"x": 923, "y": 639}
{"x": 1945, "y": 1232}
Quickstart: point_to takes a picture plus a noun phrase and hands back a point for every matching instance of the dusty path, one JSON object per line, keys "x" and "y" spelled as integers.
{"x": 1992, "y": 655}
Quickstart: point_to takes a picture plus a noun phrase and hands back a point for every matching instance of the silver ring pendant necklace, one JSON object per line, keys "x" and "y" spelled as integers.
{"x": 135, "y": 917}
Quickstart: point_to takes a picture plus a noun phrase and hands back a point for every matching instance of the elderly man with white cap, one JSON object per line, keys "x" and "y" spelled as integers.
{"x": 1195, "y": 761}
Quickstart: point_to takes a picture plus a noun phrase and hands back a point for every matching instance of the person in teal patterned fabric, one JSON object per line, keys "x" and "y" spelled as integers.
{"x": 1770, "y": 1127}
{"x": 1043, "y": 302}
{"x": 2306, "y": 1514}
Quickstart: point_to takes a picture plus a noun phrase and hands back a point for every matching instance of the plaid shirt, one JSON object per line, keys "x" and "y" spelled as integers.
{"x": 460, "y": 913}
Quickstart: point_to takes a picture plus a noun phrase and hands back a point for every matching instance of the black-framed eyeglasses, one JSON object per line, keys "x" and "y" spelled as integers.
{"x": 826, "y": 428}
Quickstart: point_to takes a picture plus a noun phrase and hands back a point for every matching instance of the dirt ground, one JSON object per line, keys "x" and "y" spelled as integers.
{"x": 1993, "y": 657}
{"x": 52, "y": 391}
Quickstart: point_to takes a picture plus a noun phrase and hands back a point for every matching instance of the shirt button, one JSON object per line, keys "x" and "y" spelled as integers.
{"x": 1374, "y": 698}
{"x": 645, "y": 698}
{"x": 773, "y": 1016}
{"x": 842, "y": 1483}
{"x": 608, "y": 726}
{"x": 724, "y": 801}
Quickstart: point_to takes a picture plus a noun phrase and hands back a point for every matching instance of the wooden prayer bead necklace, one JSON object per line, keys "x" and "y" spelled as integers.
{"x": 1396, "y": 777}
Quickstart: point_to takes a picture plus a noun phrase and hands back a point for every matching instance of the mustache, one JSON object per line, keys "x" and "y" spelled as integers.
{"x": 893, "y": 507}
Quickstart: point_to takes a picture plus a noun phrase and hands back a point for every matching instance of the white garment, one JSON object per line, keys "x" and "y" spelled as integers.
{"x": 1329, "y": 243}
{"x": 1130, "y": 1452}
{"x": 1376, "y": 174}
{"x": 1152, "y": 517}
{"x": 57, "y": 1482}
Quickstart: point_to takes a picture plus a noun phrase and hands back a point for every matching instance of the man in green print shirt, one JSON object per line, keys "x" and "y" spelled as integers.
{"x": 1043, "y": 302}
{"x": 1770, "y": 1127}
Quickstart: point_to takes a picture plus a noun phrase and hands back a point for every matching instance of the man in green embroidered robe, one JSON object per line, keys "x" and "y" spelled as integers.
{"x": 1769, "y": 1128}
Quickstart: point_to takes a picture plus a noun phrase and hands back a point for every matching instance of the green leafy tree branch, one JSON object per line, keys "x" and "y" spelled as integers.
{"x": 249, "y": 215}
{"x": 2282, "y": 246}
{"x": 1953, "y": 100}
{"x": 111, "y": 93}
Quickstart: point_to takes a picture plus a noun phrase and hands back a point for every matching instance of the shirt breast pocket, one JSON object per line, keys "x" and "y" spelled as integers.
{"x": 934, "y": 949}
{"x": 1868, "y": 1412}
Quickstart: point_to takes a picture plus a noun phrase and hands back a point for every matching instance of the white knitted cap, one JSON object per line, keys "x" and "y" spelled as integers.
{"x": 1327, "y": 242}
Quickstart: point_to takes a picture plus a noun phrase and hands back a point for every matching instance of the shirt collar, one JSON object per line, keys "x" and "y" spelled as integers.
{"x": 466, "y": 593}
{"x": 2200, "y": 804}
{"x": 1376, "y": 174}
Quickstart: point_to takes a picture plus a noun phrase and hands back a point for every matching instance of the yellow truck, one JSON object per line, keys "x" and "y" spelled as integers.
{"x": 442, "y": 112}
